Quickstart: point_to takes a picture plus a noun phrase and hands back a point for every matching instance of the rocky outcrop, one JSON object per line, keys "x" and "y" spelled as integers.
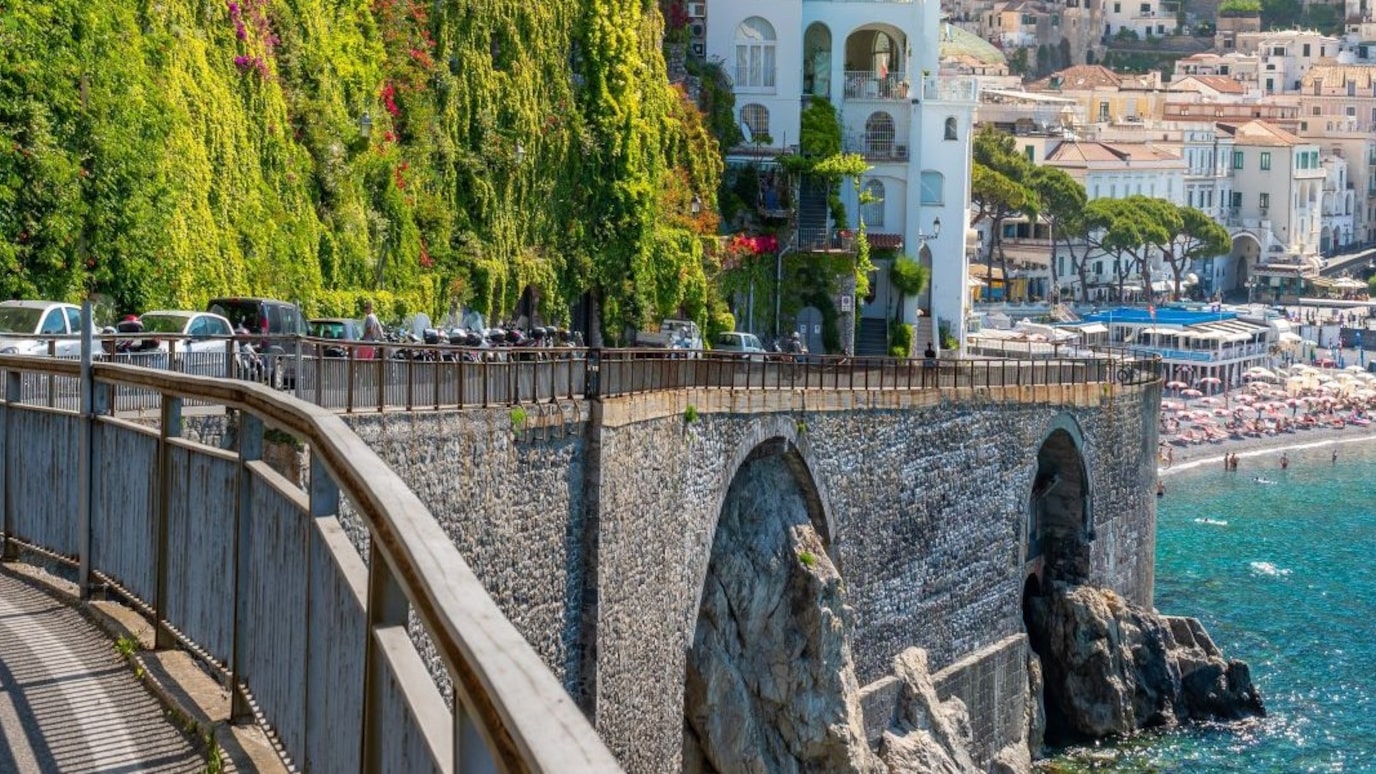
{"x": 926, "y": 734}
{"x": 771, "y": 685}
{"x": 1111, "y": 668}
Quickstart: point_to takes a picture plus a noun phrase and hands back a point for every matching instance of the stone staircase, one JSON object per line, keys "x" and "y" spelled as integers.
{"x": 873, "y": 337}
{"x": 812, "y": 214}
{"x": 924, "y": 330}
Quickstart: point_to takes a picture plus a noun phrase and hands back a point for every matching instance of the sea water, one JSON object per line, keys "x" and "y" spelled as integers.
{"x": 1283, "y": 578}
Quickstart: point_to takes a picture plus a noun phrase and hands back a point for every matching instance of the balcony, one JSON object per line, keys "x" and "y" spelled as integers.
{"x": 950, "y": 89}
{"x": 867, "y": 84}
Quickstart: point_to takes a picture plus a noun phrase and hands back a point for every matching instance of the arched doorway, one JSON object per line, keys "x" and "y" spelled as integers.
{"x": 769, "y": 659}
{"x": 1242, "y": 262}
{"x": 817, "y": 60}
{"x": 924, "y": 299}
{"x": 810, "y": 326}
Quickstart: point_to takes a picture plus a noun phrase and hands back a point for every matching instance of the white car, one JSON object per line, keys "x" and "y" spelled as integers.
{"x": 201, "y": 340}
{"x": 738, "y": 342}
{"x": 33, "y": 319}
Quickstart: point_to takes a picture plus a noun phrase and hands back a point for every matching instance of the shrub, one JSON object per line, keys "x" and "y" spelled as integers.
{"x": 690, "y": 414}
{"x": 900, "y": 339}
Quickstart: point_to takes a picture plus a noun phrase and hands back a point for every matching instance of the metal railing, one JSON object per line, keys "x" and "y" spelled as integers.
{"x": 353, "y": 377}
{"x": 870, "y": 84}
{"x": 629, "y": 372}
{"x": 255, "y": 574}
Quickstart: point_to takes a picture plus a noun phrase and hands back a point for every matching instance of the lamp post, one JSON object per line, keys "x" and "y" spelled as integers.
{"x": 695, "y": 206}
{"x": 520, "y": 153}
{"x": 365, "y": 125}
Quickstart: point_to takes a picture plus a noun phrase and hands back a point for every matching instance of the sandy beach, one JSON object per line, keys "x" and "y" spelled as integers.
{"x": 1257, "y": 454}
{"x": 1297, "y": 408}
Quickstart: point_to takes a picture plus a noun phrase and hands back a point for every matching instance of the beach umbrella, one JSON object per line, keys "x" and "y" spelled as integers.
{"x": 1192, "y": 393}
{"x": 1210, "y": 380}
{"x": 1211, "y": 401}
{"x": 1176, "y": 385}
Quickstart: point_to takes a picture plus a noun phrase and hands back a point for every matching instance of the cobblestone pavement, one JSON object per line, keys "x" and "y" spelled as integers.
{"x": 68, "y": 702}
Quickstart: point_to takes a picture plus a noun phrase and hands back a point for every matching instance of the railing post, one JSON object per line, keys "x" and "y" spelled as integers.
{"x": 381, "y": 384}
{"x": 387, "y": 607}
{"x": 250, "y": 449}
{"x": 324, "y": 503}
{"x": 349, "y": 388}
{"x": 171, "y": 427}
{"x": 13, "y": 385}
{"x": 592, "y": 380}
{"x": 296, "y": 372}
{"x": 85, "y": 481}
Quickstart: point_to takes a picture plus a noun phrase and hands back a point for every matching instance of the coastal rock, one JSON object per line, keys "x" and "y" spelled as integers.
{"x": 927, "y": 735}
{"x": 1111, "y": 668}
{"x": 771, "y": 685}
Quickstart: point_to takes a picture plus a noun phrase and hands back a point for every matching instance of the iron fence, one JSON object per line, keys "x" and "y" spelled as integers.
{"x": 374, "y": 376}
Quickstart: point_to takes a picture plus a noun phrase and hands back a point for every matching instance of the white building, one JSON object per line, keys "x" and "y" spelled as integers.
{"x": 1338, "y": 220}
{"x": 877, "y": 63}
{"x": 1275, "y": 213}
{"x": 1145, "y": 18}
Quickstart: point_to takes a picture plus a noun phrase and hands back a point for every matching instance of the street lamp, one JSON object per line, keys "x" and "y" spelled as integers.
{"x": 695, "y": 206}
{"x": 365, "y": 125}
{"x": 936, "y": 232}
{"x": 520, "y": 153}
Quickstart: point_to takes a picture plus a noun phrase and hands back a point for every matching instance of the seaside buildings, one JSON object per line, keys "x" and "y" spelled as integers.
{"x": 878, "y": 64}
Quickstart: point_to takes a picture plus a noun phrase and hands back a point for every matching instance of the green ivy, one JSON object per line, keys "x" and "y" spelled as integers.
{"x": 163, "y": 153}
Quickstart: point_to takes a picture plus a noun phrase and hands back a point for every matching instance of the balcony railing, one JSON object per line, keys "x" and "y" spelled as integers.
{"x": 868, "y": 84}
{"x": 950, "y": 89}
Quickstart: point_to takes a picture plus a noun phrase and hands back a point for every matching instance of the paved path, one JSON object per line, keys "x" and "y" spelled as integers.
{"x": 68, "y": 702}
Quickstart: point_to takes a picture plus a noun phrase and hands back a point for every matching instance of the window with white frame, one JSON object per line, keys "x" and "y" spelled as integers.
{"x": 755, "y": 55}
{"x": 933, "y": 183}
{"x": 872, "y": 211}
{"x": 879, "y": 134}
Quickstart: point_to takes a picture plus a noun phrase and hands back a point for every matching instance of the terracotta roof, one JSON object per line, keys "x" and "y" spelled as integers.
{"x": 1078, "y": 152}
{"x": 1219, "y": 83}
{"x": 1080, "y": 77}
{"x": 885, "y": 241}
{"x": 1261, "y": 133}
{"x": 1337, "y": 75}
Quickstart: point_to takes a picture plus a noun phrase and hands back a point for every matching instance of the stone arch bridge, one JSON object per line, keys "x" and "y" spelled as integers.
{"x": 698, "y": 564}
{"x": 599, "y": 530}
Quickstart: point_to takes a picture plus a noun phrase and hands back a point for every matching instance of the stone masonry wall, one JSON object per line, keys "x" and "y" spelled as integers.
{"x": 925, "y": 500}
{"x": 511, "y": 497}
{"x": 926, "y": 509}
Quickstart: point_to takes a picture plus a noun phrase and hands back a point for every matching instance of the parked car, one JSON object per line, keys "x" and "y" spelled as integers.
{"x": 39, "y": 318}
{"x": 337, "y": 329}
{"x": 740, "y": 343}
{"x": 672, "y": 334}
{"x": 275, "y": 326}
{"x": 201, "y": 338}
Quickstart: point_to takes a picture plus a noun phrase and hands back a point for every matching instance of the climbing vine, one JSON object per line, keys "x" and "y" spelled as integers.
{"x": 426, "y": 153}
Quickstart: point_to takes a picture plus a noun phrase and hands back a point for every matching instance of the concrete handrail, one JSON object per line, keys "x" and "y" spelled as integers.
{"x": 524, "y": 716}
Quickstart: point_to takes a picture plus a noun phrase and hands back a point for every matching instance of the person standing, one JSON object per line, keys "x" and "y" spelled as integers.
{"x": 1284, "y": 461}
{"x": 372, "y": 330}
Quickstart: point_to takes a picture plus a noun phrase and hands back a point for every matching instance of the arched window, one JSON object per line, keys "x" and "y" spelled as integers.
{"x": 873, "y": 211}
{"x": 951, "y": 128}
{"x": 755, "y": 55}
{"x": 879, "y": 134}
{"x": 882, "y": 55}
{"x": 932, "y": 184}
{"x": 755, "y": 117}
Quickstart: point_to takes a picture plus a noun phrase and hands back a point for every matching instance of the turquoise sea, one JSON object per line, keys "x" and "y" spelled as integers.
{"x": 1283, "y": 576}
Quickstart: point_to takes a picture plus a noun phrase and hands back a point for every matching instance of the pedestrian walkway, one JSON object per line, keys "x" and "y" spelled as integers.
{"x": 68, "y": 702}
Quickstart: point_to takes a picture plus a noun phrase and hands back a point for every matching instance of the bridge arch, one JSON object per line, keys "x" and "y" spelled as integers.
{"x": 1059, "y": 519}
{"x": 769, "y": 640}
